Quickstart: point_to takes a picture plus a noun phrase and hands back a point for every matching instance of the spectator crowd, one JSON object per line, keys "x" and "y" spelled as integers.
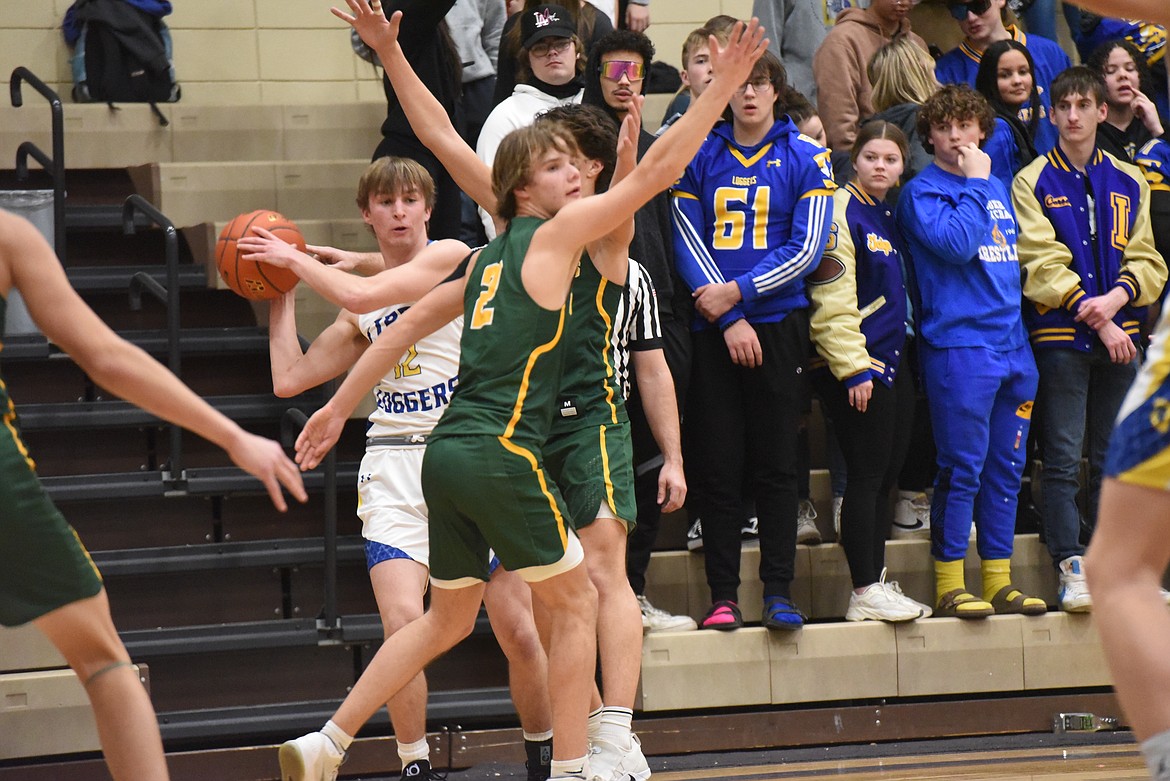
{"x": 939, "y": 247}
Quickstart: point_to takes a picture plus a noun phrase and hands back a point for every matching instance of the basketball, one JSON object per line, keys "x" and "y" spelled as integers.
{"x": 248, "y": 278}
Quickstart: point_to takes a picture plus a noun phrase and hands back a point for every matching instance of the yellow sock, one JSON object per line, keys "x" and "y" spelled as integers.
{"x": 948, "y": 576}
{"x": 997, "y": 573}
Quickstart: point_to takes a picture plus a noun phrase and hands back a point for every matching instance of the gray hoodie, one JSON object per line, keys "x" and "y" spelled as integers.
{"x": 795, "y": 29}
{"x": 475, "y": 27}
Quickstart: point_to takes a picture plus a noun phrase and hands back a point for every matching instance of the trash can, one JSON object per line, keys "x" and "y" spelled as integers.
{"x": 36, "y": 206}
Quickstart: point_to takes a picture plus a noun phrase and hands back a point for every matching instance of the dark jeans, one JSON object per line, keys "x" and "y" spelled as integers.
{"x": 1077, "y": 400}
{"x": 873, "y": 444}
{"x": 743, "y": 422}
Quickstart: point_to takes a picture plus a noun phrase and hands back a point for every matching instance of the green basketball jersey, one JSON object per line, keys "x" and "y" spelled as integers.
{"x": 590, "y": 393}
{"x": 511, "y": 354}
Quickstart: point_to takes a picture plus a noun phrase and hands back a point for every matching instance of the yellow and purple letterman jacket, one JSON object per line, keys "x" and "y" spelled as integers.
{"x": 858, "y": 317}
{"x": 1081, "y": 235}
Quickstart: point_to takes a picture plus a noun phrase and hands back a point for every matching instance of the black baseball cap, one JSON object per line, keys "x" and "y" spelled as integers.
{"x": 546, "y": 21}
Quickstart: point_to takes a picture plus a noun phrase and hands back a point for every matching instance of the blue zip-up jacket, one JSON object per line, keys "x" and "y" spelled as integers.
{"x": 858, "y": 316}
{"x": 1064, "y": 261}
{"x": 961, "y": 236}
{"x": 757, "y": 215}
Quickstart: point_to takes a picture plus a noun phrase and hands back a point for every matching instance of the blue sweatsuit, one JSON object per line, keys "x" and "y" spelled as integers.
{"x": 977, "y": 366}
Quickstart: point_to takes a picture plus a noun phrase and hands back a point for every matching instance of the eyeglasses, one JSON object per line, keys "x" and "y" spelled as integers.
{"x": 762, "y": 84}
{"x": 977, "y": 7}
{"x": 615, "y": 69}
{"x": 545, "y": 48}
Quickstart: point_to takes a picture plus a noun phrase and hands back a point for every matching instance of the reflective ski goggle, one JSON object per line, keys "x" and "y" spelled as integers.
{"x": 977, "y": 7}
{"x": 615, "y": 69}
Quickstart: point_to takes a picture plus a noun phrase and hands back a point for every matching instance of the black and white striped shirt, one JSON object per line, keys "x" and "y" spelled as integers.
{"x": 636, "y": 324}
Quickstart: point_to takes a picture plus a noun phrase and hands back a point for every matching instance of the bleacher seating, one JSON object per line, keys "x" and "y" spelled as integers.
{"x": 225, "y": 601}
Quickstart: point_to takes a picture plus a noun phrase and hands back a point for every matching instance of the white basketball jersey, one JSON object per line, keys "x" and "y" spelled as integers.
{"x": 411, "y": 399}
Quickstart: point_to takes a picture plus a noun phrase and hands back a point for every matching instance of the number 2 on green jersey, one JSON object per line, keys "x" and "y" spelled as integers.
{"x": 483, "y": 313}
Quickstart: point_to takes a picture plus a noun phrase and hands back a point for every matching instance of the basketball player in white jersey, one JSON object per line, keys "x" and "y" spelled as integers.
{"x": 395, "y": 196}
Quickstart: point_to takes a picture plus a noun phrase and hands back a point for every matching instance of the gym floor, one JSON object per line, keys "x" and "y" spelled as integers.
{"x": 1072, "y": 757}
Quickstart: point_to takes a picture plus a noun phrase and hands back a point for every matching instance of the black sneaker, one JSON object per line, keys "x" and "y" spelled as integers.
{"x": 420, "y": 770}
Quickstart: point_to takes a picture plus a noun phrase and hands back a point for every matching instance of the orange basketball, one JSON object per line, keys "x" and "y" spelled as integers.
{"x": 257, "y": 281}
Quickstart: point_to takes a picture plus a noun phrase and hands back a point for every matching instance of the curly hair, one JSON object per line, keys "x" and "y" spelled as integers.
{"x": 623, "y": 41}
{"x": 954, "y": 102}
{"x": 1100, "y": 57}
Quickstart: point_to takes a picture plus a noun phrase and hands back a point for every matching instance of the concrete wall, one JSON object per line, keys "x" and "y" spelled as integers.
{"x": 270, "y": 51}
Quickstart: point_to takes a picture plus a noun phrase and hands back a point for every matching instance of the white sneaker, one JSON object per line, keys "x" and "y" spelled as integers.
{"x": 658, "y": 620}
{"x": 807, "y": 532}
{"x": 312, "y": 757}
{"x": 927, "y": 610}
{"x": 880, "y": 602}
{"x": 695, "y": 535}
{"x": 1074, "y": 591}
{"x": 610, "y": 762}
{"x": 838, "y": 501}
{"x": 911, "y": 517}
{"x": 751, "y": 533}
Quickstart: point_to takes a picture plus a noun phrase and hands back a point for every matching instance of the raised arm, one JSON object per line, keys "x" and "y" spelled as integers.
{"x": 1151, "y": 10}
{"x": 433, "y": 311}
{"x": 589, "y": 218}
{"x": 28, "y": 264}
{"x": 427, "y": 117}
{"x": 611, "y": 253}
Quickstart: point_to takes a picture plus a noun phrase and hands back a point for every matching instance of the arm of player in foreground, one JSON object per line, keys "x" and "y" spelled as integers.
{"x": 587, "y": 219}
{"x": 399, "y": 285}
{"x": 124, "y": 369}
{"x": 436, "y": 309}
{"x": 428, "y": 119}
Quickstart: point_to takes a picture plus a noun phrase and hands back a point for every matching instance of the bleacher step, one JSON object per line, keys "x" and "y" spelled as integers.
{"x": 847, "y": 661}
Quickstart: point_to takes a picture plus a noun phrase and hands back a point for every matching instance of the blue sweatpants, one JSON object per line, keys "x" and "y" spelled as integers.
{"x": 980, "y": 408}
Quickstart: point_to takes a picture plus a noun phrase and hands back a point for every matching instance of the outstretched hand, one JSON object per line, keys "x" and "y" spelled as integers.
{"x": 371, "y": 23}
{"x": 318, "y": 436}
{"x": 745, "y": 44}
{"x": 265, "y": 460}
{"x": 627, "y": 145}
{"x": 333, "y": 257}
{"x": 263, "y": 245}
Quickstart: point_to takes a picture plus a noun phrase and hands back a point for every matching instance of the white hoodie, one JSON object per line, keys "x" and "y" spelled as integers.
{"x": 518, "y": 110}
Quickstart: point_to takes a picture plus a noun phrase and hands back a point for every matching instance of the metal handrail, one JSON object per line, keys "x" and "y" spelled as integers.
{"x": 136, "y": 203}
{"x": 56, "y": 165}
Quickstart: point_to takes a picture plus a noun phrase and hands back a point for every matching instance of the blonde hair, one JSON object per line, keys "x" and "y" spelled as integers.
{"x": 395, "y": 176}
{"x": 516, "y": 155}
{"x": 700, "y": 38}
{"x": 901, "y": 72}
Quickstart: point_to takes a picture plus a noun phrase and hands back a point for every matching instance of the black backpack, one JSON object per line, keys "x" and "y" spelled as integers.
{"x": 121, "y": 54}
